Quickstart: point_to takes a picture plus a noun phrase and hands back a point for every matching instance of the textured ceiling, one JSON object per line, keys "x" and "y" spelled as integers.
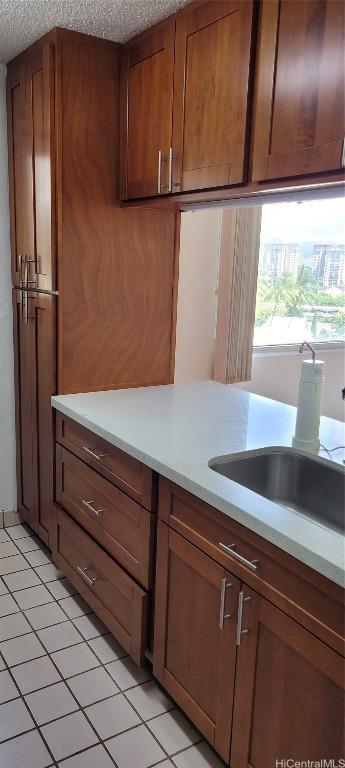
{"x": 24, "y": 21}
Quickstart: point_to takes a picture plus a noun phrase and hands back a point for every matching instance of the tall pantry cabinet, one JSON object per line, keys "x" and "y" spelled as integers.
{"x": 93, "y": 283}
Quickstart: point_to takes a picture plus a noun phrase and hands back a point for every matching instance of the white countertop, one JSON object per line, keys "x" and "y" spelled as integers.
{"x": 177, "y": 429}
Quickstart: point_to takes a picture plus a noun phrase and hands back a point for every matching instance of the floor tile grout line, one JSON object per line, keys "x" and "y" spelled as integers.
{"x": 28, "y": 708}
{"x": 79, "y": 707}
{"x": 123, "y": 692}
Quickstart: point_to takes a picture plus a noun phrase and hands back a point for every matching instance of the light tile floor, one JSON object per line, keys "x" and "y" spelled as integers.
{"x": 70, "y": 697}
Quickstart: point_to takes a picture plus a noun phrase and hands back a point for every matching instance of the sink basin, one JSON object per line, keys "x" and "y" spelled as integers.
{"x": 304, "y": 484}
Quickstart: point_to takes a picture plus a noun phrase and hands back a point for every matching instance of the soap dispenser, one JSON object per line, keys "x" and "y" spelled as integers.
{"x": 309, "y": 403}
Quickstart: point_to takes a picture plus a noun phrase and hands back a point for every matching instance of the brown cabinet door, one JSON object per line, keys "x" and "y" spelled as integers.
{"x": 148, "y": 72}
{"x": 24, "y": 358}
{"x": 289, "y": 695}
{"x": 194, "y": 643}
{"x": 30, "y": 125}
{"x": 212, "y": 64}
{"x": 30, "y": 109}
{"x": 34, "y": 336}
{"x": 299, "y": 115}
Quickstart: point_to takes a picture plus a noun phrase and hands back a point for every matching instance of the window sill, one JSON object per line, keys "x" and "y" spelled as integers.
{"x": 293, "y": 349}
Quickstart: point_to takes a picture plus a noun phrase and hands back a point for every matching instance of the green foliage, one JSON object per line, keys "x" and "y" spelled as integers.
{"x": 337, "y": 321}
{"x": 288, "y": 296}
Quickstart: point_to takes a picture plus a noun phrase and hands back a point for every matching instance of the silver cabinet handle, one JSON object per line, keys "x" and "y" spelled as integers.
{"x": 159, "y": 174}
{"x": 223, "y": 616}
{"x": 230, "y": 549}
{"x": 170, "y": 178}
{"x": 343, "y": 153}
{"x": 239, "y": 631}
{"x": 92, "y": 452}
{"x": 88, "y": 580}
{"x": 24, "y": 302}
{"x": 88, "y": 504}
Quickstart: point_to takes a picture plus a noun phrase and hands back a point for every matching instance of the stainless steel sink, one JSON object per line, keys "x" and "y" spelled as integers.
{"x": 306, "y": 485}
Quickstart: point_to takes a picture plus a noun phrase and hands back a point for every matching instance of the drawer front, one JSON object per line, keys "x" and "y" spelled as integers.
{"x": 117, "y": 522}
{"x": 111, "y": 593}
{"x": 294, "y": 587}
{"x": 121, "y": 469}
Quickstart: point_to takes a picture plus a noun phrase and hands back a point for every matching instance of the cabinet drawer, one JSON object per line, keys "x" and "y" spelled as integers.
{"x": 111, "y": 593}
{"x": 306, "y": 595}
{"x": 121, "y": 469}
{"x": 117, "y": 522}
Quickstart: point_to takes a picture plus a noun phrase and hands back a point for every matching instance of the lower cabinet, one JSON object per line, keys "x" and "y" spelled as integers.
{"x": 195, "y": 635}
{"x": 107, "y": 588}
{"x": 289, "y": 695}
{"x": 258, "y": 685}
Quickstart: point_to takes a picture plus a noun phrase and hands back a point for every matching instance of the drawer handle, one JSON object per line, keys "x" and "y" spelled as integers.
{"x": 96, "y": 512}
{"x": 230, "y": 549}
{"x": 92, "y": 452}
{"x": 88, "y": 579}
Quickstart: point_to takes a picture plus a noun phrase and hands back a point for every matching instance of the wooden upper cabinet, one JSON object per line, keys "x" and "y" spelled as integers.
{"x": 299, "y": 103}
{"x": 287, "y": 677}
{"x": 212, "y": 68}
{"x": 30, "y": 125}
{"x": 149, "y": 67}
{"x": 186, "y": 86}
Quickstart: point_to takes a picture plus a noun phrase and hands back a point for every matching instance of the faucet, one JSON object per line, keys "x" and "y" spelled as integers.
{"x": 306, "y": 344}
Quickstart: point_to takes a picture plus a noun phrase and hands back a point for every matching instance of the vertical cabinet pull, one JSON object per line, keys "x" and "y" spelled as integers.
{"x": 170, "y": 178}
{"x": 343, "y": 153}
{"x": 239, "y": 632}
{"x": 159, "y": 174}
{"x": 222, "y": 615}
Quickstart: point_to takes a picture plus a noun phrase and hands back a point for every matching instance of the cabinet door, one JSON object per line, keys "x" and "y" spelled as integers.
{"x": 40, "y": 104}
{"x": 30, "y": 125}
{"x": 299, "y": 115}
{"x": 34, "y": 335}
{"x": 212, "y": 62}
{"x": 24, "y": 358}
{"x": 289, "y": 696}
{"x": 194, "y": 642}
{"x": 19, "y": 168}
{"x": 148, "y": 72}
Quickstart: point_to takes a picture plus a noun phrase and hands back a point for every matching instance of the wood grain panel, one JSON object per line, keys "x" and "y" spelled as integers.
{"x": 116, "y": 273}
{"x": 115, "y": 598}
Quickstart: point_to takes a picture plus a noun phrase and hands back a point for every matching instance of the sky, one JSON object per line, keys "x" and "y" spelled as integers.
{"x": 316, "y": 220}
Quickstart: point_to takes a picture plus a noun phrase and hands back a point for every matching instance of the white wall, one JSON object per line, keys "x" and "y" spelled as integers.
{"x": 197, "y": 294}
{"x": 277, "y": 376}
{"x": 7, "y": 435}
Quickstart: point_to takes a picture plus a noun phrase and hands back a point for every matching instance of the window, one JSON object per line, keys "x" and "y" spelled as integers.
{"x": 301, "y": 276}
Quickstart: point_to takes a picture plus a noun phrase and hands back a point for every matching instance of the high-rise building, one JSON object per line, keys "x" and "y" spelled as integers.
{"x": 329, "y": 264}
{"x": 277, "y": 259}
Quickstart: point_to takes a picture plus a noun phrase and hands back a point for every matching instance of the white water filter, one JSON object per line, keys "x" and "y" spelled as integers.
{"x": 309, "y": 404}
